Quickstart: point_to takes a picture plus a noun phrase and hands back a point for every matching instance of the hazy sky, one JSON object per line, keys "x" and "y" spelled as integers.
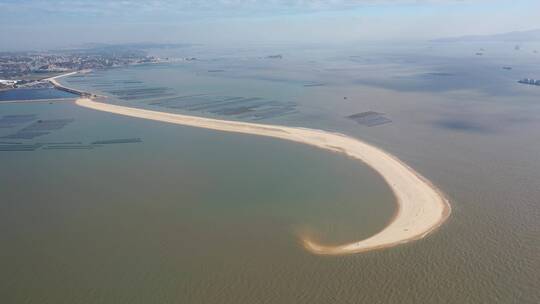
{"x": 29, "y": 24}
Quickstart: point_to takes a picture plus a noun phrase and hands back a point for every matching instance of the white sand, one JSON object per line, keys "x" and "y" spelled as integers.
{"x": 56, "y": 83}
{"x": 421, "y": 206}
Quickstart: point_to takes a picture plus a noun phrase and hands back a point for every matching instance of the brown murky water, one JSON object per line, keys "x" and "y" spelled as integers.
{"x": 194, "y": 216}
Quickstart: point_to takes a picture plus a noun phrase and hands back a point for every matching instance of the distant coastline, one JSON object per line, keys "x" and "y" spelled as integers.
{"x": 51, "y": 81}
{"x": 421, "y": 207}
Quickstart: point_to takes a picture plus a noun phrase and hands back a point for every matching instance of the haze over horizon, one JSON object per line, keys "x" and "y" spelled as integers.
{"x": 32, "y": 24}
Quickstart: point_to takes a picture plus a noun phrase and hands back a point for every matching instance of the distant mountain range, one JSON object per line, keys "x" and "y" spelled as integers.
{"x": 519, "y": 36}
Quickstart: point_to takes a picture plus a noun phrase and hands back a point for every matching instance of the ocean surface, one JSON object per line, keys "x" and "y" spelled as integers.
{"x": 32, "y": 94}
{"x": 176, "y": 214}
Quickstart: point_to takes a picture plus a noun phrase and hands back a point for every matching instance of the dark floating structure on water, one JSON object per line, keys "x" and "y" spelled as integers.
{"x": 19, "y": 147}
{"x": 251, "y": 108}
{"x": 440, "y": 74}
{"x": 68, "y": 145}
{"x": 37, "y": 129}
{"x": 62, "y": 143}
{"x": 10, "y": 121}
{"x": 25, "y": 135}
{"x": 42, "y": 127}
{"x": 370, "y": 118}
{"x": 141, "y": 93}
{"x": 117, "y": 141}
{"x": 530, "y": 81}
{"x": 95, "y": 144}
{"x": 47, "y": 125}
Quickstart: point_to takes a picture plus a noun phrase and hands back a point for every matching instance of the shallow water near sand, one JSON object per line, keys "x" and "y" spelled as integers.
{"x": 182, "y": 212}
{"x": 198, "y": 216}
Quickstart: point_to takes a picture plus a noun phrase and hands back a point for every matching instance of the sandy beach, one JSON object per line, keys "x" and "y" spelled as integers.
{"x": 421, "y": 207}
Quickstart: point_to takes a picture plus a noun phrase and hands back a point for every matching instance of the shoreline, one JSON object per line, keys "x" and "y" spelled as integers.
{"x": 421, "y": 207}
{"x": 57, "y": 85}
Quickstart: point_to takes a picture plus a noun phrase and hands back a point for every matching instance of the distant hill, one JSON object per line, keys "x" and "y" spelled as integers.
{"x": 519, "y": 36}
{"x": 125, "y": 49}
{"x": 135, "y": 45}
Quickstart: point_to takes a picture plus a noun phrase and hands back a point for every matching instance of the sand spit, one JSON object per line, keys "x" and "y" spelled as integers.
{"x": 59, "y": 86}
{"x": 54, "y": 81}
{"x": 421, "y": 206}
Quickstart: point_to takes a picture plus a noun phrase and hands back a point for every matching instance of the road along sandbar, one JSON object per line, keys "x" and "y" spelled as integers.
{"x": 421, "y": 207}
{"x": 54, "y": 81}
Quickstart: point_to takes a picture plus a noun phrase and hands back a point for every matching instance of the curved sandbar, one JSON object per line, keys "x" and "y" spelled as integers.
{"x": 54, "y": 81}
{"x": 421, "y": 206}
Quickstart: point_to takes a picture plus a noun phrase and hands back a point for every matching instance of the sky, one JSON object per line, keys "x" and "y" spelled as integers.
{"x": 45, "y": 24}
